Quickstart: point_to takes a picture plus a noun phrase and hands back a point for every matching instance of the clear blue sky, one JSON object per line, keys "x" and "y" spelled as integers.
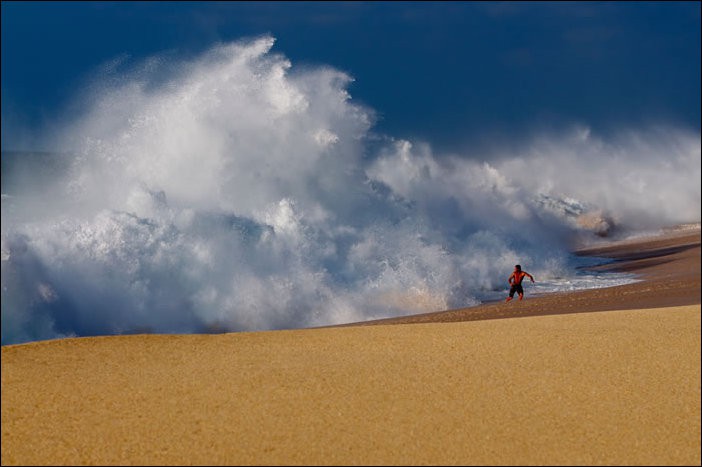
{"x": 440, "y": 72}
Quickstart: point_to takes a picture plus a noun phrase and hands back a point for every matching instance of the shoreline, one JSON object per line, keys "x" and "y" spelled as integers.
{"x": 667, "y": 266}
{"x": 560, "y": 386}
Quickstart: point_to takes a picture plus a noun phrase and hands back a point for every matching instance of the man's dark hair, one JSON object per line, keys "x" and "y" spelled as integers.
{"x": 519, "y": 268}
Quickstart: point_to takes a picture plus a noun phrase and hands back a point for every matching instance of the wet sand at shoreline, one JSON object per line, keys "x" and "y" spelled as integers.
{"x": 669, "y": 266}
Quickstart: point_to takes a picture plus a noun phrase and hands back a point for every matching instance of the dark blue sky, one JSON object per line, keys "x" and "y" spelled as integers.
{"x": 447, "y": 73}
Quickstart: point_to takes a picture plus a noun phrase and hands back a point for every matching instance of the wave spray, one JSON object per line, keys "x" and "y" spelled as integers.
{"x": 232, "y": 192}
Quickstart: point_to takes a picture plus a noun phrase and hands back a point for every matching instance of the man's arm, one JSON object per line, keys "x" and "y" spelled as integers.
{"x": 511, "y": 277}
{"x": 530, "y": 276}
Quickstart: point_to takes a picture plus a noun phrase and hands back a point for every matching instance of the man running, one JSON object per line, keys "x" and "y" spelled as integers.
{"x": 515, "y": 281}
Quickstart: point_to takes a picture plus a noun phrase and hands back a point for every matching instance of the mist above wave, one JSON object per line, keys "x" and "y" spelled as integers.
{"x": 234, "y": 192}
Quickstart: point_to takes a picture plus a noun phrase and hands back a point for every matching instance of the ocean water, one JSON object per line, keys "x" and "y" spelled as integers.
{"x": 235, "y": 192}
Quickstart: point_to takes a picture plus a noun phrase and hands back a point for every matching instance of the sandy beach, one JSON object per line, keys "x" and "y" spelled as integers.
{"x": 597, "y": 377}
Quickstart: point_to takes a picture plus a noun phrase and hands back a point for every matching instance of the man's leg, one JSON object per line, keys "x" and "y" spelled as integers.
{"x": 511, "y": 293}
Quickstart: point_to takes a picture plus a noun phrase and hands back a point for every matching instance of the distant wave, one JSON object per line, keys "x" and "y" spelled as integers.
{"x": 233, "y": 192}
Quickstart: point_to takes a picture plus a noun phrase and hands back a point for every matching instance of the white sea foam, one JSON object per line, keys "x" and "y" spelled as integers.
{"x": 234, "y": 192}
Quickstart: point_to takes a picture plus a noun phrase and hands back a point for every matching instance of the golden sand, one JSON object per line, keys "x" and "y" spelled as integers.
{"x": 610, "y": 387}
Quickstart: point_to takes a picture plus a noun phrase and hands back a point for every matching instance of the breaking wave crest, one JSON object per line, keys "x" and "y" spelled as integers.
{"x": 232, "y": 192}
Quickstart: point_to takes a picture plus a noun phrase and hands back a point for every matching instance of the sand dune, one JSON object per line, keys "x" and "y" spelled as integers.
{"x": 556, "y": 386}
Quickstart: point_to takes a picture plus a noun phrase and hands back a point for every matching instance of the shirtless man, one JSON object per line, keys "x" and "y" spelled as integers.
{"x": 515, "y": 281}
